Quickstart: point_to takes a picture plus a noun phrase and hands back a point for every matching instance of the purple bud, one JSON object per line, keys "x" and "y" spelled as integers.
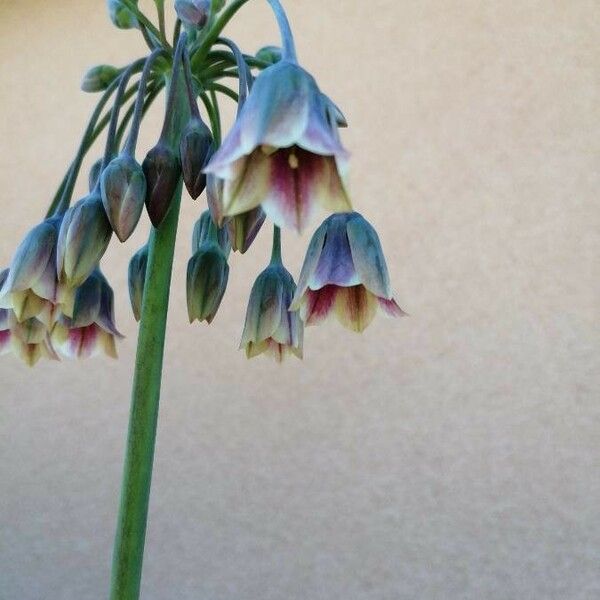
{"x": 196, "y": 148}
{"x": 162, "y": 170}
{"x": 194, "y": 13}
{"x": 123, "y": 187}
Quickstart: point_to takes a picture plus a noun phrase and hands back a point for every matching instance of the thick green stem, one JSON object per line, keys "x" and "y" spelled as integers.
{"x": 139, "y": 458}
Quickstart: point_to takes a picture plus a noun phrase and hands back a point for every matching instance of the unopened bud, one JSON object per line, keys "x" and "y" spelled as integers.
{"x": 84, "y": 236}
{"x": 94, "y": 174}
{"x": 98, "y": 78}
{"x": 269, "y": 54}
{"x": 194, "y": 13}
{"x": 123, "y": 188}
{"x": 136, "y": 279}
{"x": 205, "y": 230}
{"x": 121, "y": 16}
{"x": 196, "y": 148}
{"x": 162, "y": 170}
{"x": 207, "y": 276}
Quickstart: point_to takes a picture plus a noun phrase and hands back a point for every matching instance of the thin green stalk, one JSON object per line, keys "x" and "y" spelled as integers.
{"x": 287, "y": 38}
{"x": 223, "y": 89}
{"x": 137, "y": 473}
{"x": 160, "y": 9}
{"x": 276, "y": 248}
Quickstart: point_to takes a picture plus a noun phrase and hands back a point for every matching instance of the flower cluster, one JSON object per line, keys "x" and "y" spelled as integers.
{"x": 282, "y": 161}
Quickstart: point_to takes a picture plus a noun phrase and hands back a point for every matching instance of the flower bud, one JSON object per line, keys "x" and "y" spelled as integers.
{"x": 196, "y": 148}
{"x": 244, "y": 228}
{"x": 270, "y": 328}
{"x": 162, "y": 170}
{"x": 194, "y": 13}
{"x": 214, "y": 198}
{"x": 121, "y": 16}
{"x": 207, "y": 276}
{"x": 123, "y": 188}
{"x": 137, "y": 279}
{"x": 94, "y": 174}
{"x": 98, "y": 78}
{"x": 83, "y": 239}
{"x": 269, "y": 54}
{"x": 204, "y": 231}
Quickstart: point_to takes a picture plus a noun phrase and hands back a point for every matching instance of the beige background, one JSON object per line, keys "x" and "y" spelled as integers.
{"x": 454, "y": 455}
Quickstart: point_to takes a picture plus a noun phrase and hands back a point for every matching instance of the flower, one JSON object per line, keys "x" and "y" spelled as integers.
{"x": 344, "y": 271}
{"x": 91, "y": 329}
{"x": 283, "y": 152}
{"x": 28, "y": 339}
{"x": 121, "y": 16}
{"x": 162, "y": 169}
{"x": 208, "y": 271}
{"x": 270, "y": 327}
{"x": 193, "y": 12}
{"x": 137, "y": 280}
{"x": 98, "y": 78}
{"x": 29, "y": 287}
{"x": 83, "y": 238}
{"x": 5, "y": 332}
{"x": 123, "y": 188}
{"x": 195, "y": 150}
{"x": 244, "y": 228}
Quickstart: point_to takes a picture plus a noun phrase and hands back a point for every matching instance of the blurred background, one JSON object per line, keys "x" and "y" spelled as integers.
{"x": 451, "y": 455}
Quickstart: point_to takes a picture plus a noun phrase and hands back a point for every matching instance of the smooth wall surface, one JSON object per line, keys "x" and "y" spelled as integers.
{"x": 453, "y": 455}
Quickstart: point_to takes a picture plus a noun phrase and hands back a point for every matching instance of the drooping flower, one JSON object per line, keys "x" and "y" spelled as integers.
{"x": 28, "y": 339}
{"x": 193, "y": 12}
{"x": 137, "y": 279}
{"x": 270, "y": 327}
{"x": 29, "y": 287}
{"x": 195, "y": 150}
{"x": 91, "y": 329}
{"x": 283, "y": 152}
{"x": 345, "y": 273}
{"x": 208, "y": 271}
{"x": 123, "y": 188}
{"x": 83, "y": 238}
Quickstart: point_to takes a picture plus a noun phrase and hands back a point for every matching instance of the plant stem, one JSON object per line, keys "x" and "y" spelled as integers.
{"x": 137, "y": 475}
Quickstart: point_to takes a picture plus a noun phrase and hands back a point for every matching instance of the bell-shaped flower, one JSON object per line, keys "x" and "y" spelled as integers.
{"x": 29, "y": 287}
{"x": 28, "y": 339}
{"x": 91, "y": 329}
{"x": 137, "y": 279}
{"x": 345, "y": 274}
{"x": 83, "y": 238}
{"x": 5, "y": 332}
{"x": 270, "y": 327}
{"x": 123, "y": 188}
{"x": 207, "y": 272}
{"x": 283, "y": 151}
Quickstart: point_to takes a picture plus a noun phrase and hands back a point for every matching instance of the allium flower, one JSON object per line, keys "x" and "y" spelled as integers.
{"x": 28, "y": 339}
{"x": 344, "y": 272}
{"x": 5, "y": 333}
{"x": 123, "y": 187}
{"x": 283, "y": 152}
{"x": 29, "y": 287}
{"x": 83, "y": 238}
{"x": 193, "y": 12}
{"x": 270, "y": 327}
{"x": 207, "y": 271}
{"x": 137, "y": 280}
{"x": 195, "y": 149}
{"x": 92, "y": 327}
{"x": 121, "y": 16}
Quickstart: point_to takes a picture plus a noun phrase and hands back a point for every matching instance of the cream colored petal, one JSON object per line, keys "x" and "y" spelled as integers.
{"x": 355, "y": 307}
